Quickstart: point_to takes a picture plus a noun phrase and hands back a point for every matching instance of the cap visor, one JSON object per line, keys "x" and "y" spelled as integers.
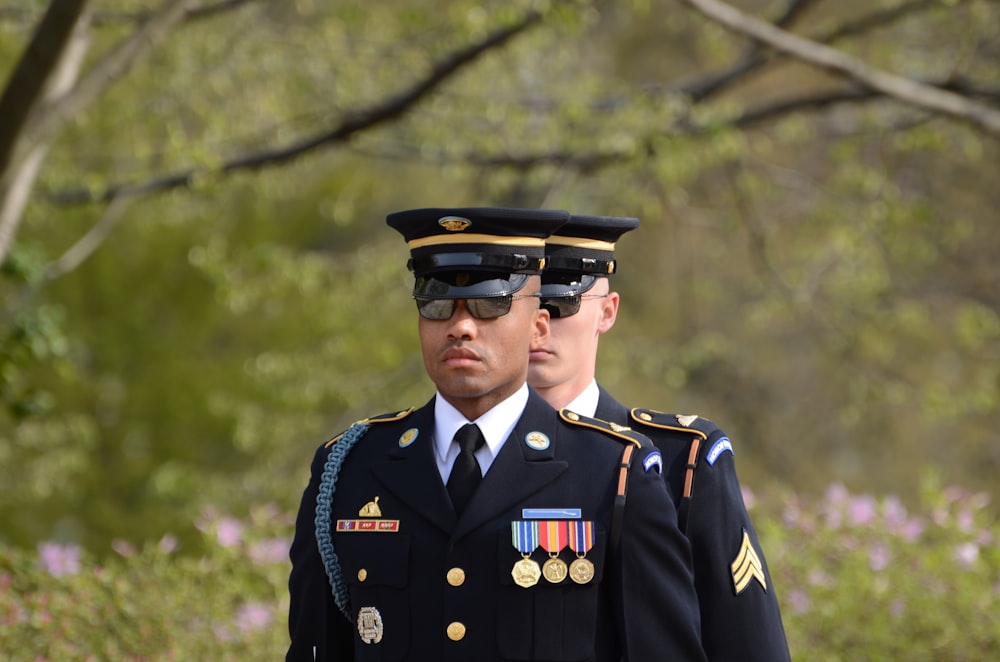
{"x": 571, "y": 286}
{"x": 429, "y": 287}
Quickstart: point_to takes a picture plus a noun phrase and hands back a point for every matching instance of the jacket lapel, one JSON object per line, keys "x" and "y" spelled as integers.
{"x": 411, "y": 473}
{"x": 521, "y": 468}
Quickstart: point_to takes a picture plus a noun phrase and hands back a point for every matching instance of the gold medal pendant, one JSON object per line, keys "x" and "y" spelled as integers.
{"x": 581, "y": 571}
{"x": 526, "y": 573}
{"x": 554, "y": 570}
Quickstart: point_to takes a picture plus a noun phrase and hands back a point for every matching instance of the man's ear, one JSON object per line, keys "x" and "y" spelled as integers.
{"x": 540, "y": 329}
{"x": 609, "y": 312}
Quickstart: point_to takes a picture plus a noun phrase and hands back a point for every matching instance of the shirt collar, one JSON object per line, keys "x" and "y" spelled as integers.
{"x": 586, "y": 403}
{"x": 496, "y": 424}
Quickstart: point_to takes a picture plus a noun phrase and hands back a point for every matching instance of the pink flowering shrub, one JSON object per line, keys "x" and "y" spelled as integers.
{"x": 864, "y": 578}
{"x": 859, "y": 577}
{"x": 153, "y": 602}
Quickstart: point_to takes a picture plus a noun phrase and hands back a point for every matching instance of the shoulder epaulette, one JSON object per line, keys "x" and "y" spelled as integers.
{"x": 613, "y": 429}
{"x": 634, "y": 440}
{"x": 702, "y": 427}
{"x": 381, "y": 418}
{"x": 700, "y": 430}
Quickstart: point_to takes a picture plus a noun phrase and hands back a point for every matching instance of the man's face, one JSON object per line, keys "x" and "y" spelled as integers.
{"x": 478, "y": 363}
{"x": 568, "y": 359}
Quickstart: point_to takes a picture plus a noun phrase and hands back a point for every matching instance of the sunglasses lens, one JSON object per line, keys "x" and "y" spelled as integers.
{"x": 561, "y": 306}
{"x": 490, "y": 307}
{"x": 436, "y": 309}
{"x": 484, "y": 309}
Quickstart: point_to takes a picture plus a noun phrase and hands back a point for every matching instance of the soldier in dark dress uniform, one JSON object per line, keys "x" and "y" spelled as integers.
{"x": 486, "y": 525}
{"x": 740, "y": 618}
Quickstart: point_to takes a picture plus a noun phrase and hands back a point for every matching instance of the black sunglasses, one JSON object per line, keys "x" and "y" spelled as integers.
{"x": 566, "y": 306}
{"x": 484, "y": 308}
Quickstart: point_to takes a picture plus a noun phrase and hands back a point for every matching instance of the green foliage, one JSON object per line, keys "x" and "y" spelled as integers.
{"x": 821, "y": 282}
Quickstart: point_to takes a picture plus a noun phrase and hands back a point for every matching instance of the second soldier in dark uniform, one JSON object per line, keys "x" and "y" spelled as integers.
{"x": 740, "y": 616}
{"x": 567, "y": 549}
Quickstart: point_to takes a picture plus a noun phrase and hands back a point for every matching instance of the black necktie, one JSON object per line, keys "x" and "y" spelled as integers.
{"x": 465, "y": 473}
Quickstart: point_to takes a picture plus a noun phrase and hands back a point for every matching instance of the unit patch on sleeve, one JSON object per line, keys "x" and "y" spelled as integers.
{"x": 721, "y": 446}
{"x": 653, "y": 461}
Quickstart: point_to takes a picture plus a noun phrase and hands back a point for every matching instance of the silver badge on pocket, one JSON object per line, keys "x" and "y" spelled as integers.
{"x": 370, "y": 625}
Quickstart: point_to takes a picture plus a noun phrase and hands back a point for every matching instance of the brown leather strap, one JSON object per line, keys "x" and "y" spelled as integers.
{"x": 692, "y": 463}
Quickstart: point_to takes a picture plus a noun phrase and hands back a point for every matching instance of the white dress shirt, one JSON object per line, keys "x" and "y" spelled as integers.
{"x": 496, "y": 426}
{"x": 585, "y": 404}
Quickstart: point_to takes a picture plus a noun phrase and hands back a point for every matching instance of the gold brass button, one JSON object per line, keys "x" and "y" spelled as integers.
{"x": 456, "y": 631}
{"x": 362, "y": 575}
{"x": 456, "y": 576}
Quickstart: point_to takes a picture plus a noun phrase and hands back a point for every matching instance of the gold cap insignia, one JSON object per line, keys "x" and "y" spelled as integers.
{"x": 686, "y": 420}
{"x": 454, "y": 223}
{"x": 370, "y": 509}
{"x": 370, "y": 625}
{"x": 747, "y": 566}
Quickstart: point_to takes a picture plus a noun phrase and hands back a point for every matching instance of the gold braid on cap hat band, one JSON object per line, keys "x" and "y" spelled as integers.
{"x": 491, "y": 239}
{"x": 580, "y": 242}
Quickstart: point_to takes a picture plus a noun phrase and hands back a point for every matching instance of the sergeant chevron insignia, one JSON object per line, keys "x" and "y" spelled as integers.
{"x": 747, "y": 566}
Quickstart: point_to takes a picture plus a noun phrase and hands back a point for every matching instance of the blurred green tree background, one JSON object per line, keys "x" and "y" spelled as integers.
{"x": 200, "y": 288}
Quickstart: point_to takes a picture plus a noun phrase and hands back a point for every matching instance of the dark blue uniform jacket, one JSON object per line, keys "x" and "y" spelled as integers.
{"x": 442, "y": 585}
{"x": 737, "y": 626}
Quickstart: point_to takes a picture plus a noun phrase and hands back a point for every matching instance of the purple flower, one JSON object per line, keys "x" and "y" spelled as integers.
{"x": 837, "y": 494}
{"x": 253, "y": 616}
{"x": 798, "y": 600}
{"x": 966, "y": 554}
{"x": 894, "y": 513}
{"x": 863, "y": 510}
{"x": 964, "y": 520}
{"x": 912, "y": 529}
{"x": 819, "y": 578}
{"x": 272, "y": 550}
{"x": 879, "y": 558}
{"x": 59, "y": 560}
{"x": 168, "y": 544}
{"x": 229, "y": 531}
{"x": 123, "y": 547}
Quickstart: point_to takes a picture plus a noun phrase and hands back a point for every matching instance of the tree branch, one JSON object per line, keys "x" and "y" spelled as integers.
{"x": 16, "y": 183}
{"x": 32, "y": 73}
{"x": 897, "y": 87}
{"x": 54, "y": 116}
{"x": 89, "y": 242}
{"x": 755, "y": 57}
{"x": 388, "y": 109}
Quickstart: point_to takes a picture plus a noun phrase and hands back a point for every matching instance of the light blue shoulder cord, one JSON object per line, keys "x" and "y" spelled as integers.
{"x": 324, "y": 514}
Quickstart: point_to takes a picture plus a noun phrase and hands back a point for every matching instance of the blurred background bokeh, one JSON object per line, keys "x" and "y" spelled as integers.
{"x": 199, "y": 287}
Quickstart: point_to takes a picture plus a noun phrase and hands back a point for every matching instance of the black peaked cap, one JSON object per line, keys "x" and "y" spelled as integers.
{"x": 499, "y": 246}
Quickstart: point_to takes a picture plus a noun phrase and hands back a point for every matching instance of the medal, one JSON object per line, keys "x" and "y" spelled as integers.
{"x": 553, "y": 536}
{"x": 581, "y": 541}
{"x": 524, "y": 537}
{"x": 581, "y": 570}
{"x": 554, "y": 570}
{"x": 526, "y": 573}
